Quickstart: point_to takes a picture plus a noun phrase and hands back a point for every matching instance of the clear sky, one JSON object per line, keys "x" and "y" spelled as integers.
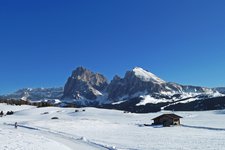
{"x": 42, "y": 41}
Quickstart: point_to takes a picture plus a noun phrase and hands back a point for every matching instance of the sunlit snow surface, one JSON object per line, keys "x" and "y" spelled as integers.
{"x": 20, "y": 140}
{"x": 107, "y": 129}
{"x": 146, "y": 76}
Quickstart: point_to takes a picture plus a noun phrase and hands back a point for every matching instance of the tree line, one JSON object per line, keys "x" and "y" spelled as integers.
{"x": 22, "y": 102}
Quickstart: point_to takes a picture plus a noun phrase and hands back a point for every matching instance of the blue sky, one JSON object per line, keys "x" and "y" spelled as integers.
{"x": 42, "y": 41}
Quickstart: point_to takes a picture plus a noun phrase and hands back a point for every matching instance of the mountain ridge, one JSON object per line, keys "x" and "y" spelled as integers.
{"x": 86, "y": 88}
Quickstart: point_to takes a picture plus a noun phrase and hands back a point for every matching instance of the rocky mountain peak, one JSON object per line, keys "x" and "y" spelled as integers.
{"x": 146, "y": 76}
{"x": 84, "y": 84}
{"x": 80, "y": 71}
{"x": 135, "y": 81}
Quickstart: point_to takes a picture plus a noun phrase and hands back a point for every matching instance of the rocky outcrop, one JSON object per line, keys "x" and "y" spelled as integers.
{"x": 84, "y": 84}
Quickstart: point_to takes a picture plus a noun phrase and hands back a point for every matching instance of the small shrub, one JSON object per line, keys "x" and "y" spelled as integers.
{"x": 9, "y": 113}
{"x": 45, "y": 113}
{"x": 55, "y": 118}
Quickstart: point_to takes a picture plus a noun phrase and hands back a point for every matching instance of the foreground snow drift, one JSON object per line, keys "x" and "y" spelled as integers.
{"x": 12, "y": 139}
{"x": 91, "y": 128}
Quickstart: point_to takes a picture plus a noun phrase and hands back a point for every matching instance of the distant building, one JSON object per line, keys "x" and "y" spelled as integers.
{"x": 167, "y": 120}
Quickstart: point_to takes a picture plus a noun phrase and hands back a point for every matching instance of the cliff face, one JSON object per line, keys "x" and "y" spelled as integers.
{"x": 84, "y": 84}
{"x": 132, "y": 84}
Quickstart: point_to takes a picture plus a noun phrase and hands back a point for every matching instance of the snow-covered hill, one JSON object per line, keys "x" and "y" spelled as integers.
{"x": 103, "y": 129}
{"x": 36, "y": 94}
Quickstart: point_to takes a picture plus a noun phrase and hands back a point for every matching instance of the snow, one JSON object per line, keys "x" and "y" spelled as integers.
{"x": 188, "y": 100}
{"x": 119, "y": 102}
{"x": 107, "y": 129}
{"x": 19, "y": 140}
{"x": 146, "y": 76}
{"x": 168, "y": 93}
{"x": 149, "y": 99}
{"x": 217, "y": 94}
{"x": 53, "y": 101}
{"x": 4, "y": 107}
{"x": 96, "y": 92}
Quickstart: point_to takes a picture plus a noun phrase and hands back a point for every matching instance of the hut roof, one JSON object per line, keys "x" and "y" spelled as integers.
{"x": 173, "y": 116}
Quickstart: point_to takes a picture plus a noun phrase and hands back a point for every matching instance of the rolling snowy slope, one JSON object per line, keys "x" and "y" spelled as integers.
{"x": 115, "y": 130}
{"x": 12, "y": 139}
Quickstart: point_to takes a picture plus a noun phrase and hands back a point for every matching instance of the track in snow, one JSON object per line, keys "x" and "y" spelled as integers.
{"x": 72, "y": 138}
{"x": 206, "y": 128}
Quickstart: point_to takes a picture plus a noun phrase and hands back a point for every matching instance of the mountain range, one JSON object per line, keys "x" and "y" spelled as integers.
{"x": 138, "y": 91}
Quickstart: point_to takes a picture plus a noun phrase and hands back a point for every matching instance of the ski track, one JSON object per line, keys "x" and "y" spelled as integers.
{"x": 205, "y": 128}
{"x": 71, "y": 137}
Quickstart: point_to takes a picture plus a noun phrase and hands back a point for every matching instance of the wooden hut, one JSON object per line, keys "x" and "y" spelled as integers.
{"x": 167, "y": 120}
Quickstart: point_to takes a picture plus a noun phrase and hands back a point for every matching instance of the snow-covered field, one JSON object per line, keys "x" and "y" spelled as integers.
{"x": 107, "y": 129}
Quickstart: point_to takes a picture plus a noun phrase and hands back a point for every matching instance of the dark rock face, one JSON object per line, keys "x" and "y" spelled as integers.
{"x": 221, "y": 89}
{"x": 130, "y": 85}
{"x": 84, "y": 84}
{"x": 140, "y": 82}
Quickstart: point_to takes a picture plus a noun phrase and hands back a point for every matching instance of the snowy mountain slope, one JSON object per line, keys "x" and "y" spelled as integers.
{"x": 110, "y": 129}
{"x": 36, "y": 94}
{"x": 146, "y": 76}
{"x": 140, "y": 83}
{"x": 196, "y": 104}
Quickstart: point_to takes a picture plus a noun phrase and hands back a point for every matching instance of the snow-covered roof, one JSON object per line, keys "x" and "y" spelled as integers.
{"x": 174, "y": 116}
